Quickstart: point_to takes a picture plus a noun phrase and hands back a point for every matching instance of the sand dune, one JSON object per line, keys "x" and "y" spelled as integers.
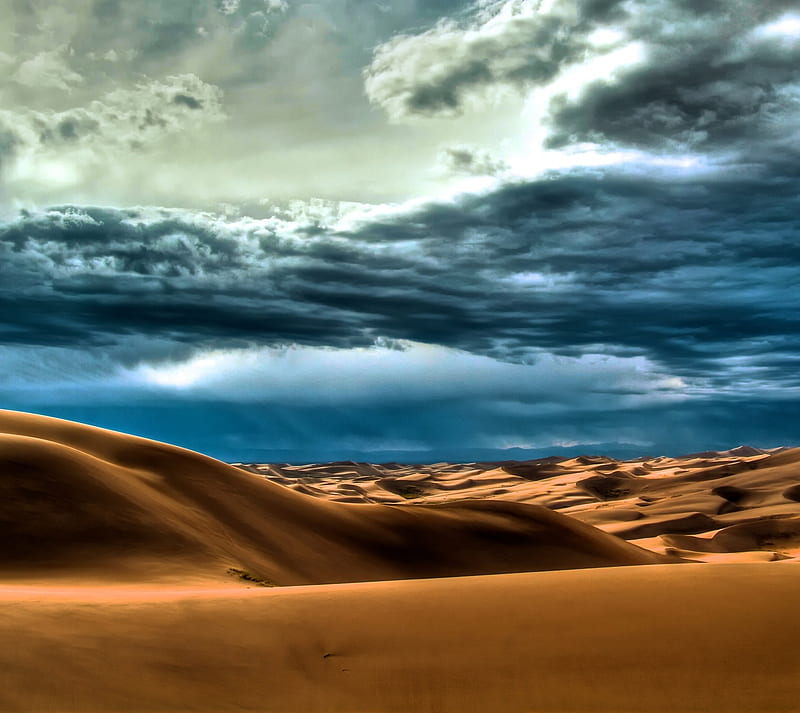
{"x": 80, "y": 498}
{"x": 652, "y": 502}
{"x": 129, "y": 578}
{"x": 693, "y": 638}
{"x": 773, "y": 534}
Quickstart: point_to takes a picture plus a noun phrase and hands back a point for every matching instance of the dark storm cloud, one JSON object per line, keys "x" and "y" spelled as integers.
{"x": 683, "y": 271}
{"x": 469, "y": 161}
{"x": 712, "y": 74}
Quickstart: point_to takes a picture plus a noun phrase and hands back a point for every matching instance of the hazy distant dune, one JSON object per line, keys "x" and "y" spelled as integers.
{"x": 647, "y": 500}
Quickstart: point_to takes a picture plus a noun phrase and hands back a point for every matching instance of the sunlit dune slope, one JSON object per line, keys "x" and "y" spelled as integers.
{"x": 74, "y": 498}
{"x": 663, "y": 639}
{"x": 740, "y": 504}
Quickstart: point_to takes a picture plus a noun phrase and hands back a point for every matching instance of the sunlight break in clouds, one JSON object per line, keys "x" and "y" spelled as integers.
{"x": 785, "y": 26}
{"x": 399, "y": 372}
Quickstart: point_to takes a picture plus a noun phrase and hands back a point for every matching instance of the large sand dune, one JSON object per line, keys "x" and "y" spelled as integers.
{"x": 687, "y": 639}
{"x": 119, "y": 589}
{"x": 81, "y": 498}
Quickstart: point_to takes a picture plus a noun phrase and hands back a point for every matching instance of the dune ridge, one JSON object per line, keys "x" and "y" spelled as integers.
{"x": 76, "y": 497}
{"x": 667, "y": 505}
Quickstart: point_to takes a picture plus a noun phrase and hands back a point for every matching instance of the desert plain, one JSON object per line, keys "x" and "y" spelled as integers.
{"x": 136, "y": 576}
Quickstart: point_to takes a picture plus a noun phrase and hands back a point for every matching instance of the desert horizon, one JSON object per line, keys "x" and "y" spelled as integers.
{"x": 138, "y": 576}
{"x": 399, "y": 356}
{"x": 555, "y": 454}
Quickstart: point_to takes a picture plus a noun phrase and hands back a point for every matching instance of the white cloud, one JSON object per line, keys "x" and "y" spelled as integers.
{"x": 231, "y": 7}
{"x": 786, "y": 26}
{"x": 403, "y": 371}
{"x": 57, "y": 149}
{"x": 544, "y": 282}
{"x": 399, "y": 372}
{"x": 228, "y": 7}
{"x": 438, "y": 71}
{"x": 47, "y": 70}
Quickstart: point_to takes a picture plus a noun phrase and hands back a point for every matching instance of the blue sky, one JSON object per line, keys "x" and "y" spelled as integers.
{"x": 276, "y": 230}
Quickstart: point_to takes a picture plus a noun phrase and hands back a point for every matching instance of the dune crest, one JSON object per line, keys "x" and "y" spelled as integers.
{"x": 663, "y": 504}
{"x": 81, "y": 499}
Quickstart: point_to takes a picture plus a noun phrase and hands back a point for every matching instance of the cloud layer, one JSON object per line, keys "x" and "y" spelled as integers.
{"x": 391, "y": 400}
{"x": 682, "y": 270}
{"x": 590, "y": 234}
{"x": 671, "y": 75}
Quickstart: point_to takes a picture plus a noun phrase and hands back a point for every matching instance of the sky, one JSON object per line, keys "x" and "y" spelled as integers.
{"x": 274, "y": 230}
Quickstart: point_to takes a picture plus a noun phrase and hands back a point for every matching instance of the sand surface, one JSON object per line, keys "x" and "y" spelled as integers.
{"x": 664, "y": 638}
{"x": 132, "y": 578}
{"x": 744, "y": 502}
